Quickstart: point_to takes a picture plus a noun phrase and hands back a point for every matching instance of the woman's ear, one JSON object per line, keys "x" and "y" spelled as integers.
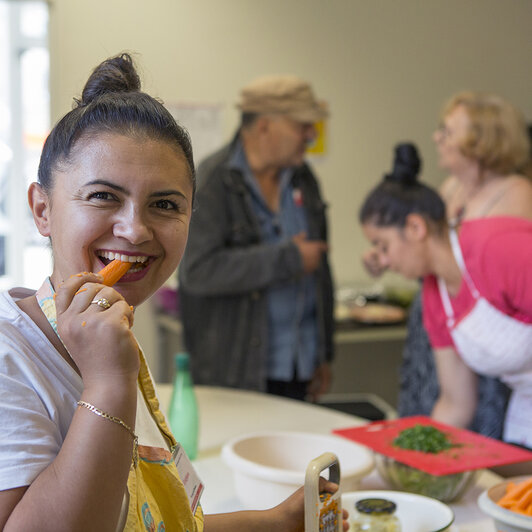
{"x": 40, "y": 207}
{"x": 416, "y": 227}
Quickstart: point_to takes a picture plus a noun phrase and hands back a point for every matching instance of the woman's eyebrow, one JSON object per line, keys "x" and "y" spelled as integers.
{"x": 158, "y": 194}
{"x": 163, "y": 193}
{"x": 107, "y": 184}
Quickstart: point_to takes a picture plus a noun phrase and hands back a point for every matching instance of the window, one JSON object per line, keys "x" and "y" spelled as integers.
{"x": 24, "y": 123}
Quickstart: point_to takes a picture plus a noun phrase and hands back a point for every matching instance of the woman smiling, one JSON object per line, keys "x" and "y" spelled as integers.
{"x": 84, "y": 445}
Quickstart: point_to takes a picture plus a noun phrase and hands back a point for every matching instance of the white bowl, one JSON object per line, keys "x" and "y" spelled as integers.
{"x": 270, "y": 466}
{"x": 416, "y": 513}
{"x": 505, "y": 520}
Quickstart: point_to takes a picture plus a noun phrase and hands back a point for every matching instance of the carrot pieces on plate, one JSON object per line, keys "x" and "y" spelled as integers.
{"x": 518, "y": 497}
{"x": 114, "y": 271}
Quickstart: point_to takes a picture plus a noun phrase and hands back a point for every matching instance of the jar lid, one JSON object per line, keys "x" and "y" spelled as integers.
{"x": 375, "y": 506}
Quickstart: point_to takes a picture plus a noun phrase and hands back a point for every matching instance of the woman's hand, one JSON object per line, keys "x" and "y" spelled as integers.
{"x": 98, "y": 339}
{"x": 290, "y": 514}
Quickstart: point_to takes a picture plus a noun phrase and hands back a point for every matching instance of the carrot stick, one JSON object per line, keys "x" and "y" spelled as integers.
{"x": 517, "y": 491}
{"x": 510, "y": 486}
{"x": 525, "y": 500}
{"x": 518, "y": 498}
{"x": 113, "y": 271}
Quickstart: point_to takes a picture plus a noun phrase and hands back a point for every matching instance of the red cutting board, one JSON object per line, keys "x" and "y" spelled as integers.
{"x": 472, "y": 451}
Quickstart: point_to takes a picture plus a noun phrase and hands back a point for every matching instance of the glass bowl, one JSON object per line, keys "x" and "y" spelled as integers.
{"x": 445, "y": 488}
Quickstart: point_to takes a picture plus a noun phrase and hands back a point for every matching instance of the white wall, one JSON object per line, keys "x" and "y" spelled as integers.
{"x": 385, "y": 67}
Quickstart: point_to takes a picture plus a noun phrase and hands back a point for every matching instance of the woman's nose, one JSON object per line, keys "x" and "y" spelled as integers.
{"x": 383, "y": 260}
{"x": 133, "y": 227}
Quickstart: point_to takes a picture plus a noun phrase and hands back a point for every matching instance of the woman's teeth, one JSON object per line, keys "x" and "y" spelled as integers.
{"x": 111, "y": 255}
{"x": 136, "y": 267}
{"x": 138, "y": 260}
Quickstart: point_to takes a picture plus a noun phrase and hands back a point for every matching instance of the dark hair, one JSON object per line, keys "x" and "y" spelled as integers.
{"x": 112, "y": 101}
{"x": 400, "y": 194}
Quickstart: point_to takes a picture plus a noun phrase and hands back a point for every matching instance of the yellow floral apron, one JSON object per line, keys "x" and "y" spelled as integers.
{"x": 157, "y": 498}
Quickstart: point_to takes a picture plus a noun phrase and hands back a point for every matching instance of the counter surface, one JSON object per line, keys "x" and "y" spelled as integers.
{"x": 226, "y": 413}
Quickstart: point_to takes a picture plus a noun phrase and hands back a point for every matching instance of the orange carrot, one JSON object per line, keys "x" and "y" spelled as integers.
{"x": 114, "y": 271}
{"x": 518, "y": 497}
{"x": 517, "y": 491}
{"x": 525, "y": 500}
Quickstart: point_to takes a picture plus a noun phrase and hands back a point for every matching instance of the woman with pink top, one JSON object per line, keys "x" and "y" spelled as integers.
{"x": 477, "y": 301}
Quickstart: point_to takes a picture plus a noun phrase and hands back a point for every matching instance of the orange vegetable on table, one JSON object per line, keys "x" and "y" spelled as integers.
{"x": 518, "y": 497}
{"x": 114, "y": 271}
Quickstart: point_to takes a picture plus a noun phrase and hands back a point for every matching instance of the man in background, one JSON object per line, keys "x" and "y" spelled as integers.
{"x": 255, "y": 284}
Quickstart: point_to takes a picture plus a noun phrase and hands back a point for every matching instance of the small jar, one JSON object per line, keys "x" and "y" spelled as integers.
{"x": 375, "y": 515}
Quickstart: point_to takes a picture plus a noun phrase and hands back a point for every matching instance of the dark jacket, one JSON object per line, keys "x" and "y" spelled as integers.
{"x": 226, "y": 271}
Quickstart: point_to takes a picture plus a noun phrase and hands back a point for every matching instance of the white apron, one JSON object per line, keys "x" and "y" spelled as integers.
{"x": 493, "y": 343}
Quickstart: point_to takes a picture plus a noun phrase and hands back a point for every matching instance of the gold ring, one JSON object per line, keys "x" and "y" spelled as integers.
{"x": 102, "y": 302}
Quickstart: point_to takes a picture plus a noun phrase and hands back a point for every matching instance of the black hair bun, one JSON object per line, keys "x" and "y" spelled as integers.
{"x": 116, "y": 74}
{"x": 406, "y": 164}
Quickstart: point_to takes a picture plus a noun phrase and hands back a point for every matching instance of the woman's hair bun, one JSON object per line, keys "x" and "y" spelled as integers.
{"x": 406, "y": 164}
{"x": 116, "y": 74}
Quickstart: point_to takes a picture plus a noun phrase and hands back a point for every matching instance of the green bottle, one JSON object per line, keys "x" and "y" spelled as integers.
{"x": 183, "y": 411}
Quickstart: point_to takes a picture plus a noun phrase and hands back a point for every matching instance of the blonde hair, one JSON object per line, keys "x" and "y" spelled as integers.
{"x": 497, "y": 138}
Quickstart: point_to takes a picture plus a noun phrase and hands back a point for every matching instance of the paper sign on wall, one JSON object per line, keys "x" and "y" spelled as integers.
{"x": 204, "y": 124}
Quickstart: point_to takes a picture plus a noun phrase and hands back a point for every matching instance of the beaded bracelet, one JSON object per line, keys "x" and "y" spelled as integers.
{"x": 118, "y": 421}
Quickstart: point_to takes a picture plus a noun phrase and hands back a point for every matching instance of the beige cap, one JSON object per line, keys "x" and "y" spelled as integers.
{"x": 287, "y": 95}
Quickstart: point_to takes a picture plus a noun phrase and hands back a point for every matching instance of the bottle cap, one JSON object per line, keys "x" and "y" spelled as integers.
{"x": 181, "y": 361}
{"x": 375, "y": 506}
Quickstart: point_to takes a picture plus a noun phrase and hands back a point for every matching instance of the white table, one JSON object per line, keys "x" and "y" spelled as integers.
{"x": 226, "y": 413}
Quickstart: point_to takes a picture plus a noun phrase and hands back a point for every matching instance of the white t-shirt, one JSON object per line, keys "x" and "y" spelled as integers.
{"x": 38, "y": 395}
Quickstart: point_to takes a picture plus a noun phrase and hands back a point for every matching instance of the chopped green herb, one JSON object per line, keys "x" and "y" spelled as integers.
{"x": 423, "y": 438}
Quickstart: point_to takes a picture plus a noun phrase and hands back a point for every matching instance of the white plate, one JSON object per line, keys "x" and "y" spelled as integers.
{"x": 415, "y": 512}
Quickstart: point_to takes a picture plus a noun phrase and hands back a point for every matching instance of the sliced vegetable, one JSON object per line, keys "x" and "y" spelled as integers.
{"x": 518, "y": 497}
{"x": 114, "y": 271}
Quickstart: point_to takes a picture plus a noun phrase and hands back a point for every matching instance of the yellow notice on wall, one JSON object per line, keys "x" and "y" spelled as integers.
{"x": 319, "y": 146}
